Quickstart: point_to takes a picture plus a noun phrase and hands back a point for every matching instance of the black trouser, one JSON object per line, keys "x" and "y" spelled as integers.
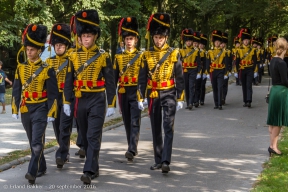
{"x": 91, "y": 109}
{"x": 190, "y": 81}
{"x": 165, "y": 102}
{"x": 131, "y": 116}
{"x": 247, "y": 76}
{"x": 35, "y": 122}
{"x": 63, "y": 128}
{"x": 198, "y": 85}
{"x": 238, "y": 80}
{"x": 256, "y": 79}
{"x": 225, "y": 88}
{"x": 203, "y": 89}
{"x": 79, "y": 141}
{"x": 217, "y": 79}
{"x": 260, "y": 73}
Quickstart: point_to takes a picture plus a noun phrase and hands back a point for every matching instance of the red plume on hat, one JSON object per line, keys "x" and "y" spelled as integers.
{"x": 240, "y": 33}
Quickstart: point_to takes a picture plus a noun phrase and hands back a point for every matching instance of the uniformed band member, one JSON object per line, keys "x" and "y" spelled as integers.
{"x": 246, "y": 59}
{"x": 90, "y": 75}
{"x": 228, "y": 61}
{"x": 198, "y": 82}
{"x": 254, "y": 43}
{"x": 126, "y": 66}
{"x": 162, "y": 74}
{"x": 191, "y": 63}
{"x": 216, "y": 66}
{"x": 35, "y": 90}
{"x": 271, "y": 50}
{"x": 234, "y": 51}
{"x": 60, "y": 39}
{"x": 260, "y": 58}
{"x": 76, "y": 45}
{"x": 203, "y": 52}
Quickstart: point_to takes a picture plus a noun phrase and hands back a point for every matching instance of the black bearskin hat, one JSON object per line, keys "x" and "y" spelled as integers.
{"x": 187, "y": 34}
{"x": 254, "y": 40}
{"x": 35, "y": 36}
{"x": 60, "y": 33}
{"x": 216, "y": 35}
{"x": 236, "y": 40}
{"x": 225, "y": 37}
{"x": 260, "y": 41}
{"x": 203, "y": 39}
{"x": 159, "y": 24}
{"x": 196, "y": 36}
{"x": 244, "y": 34}
{"x": 87, "y": 21}
{"x": 128, "y": 27}
{"x": 274, "y": 37}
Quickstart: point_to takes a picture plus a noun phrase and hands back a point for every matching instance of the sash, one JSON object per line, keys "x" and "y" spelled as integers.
{"x": 130, "y": 63}
{"x": 30, "y": 80}
{"x": 62, "y": 66}
{"x": 87, "y": 63}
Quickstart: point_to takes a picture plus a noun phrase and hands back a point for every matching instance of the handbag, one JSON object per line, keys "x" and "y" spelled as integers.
{"x": 267, "y": 95}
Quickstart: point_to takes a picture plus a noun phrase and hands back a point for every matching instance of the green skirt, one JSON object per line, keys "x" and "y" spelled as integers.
{"x": 277, "y": 107}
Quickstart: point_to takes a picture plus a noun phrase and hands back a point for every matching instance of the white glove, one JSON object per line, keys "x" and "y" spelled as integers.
{"x": 255, "y": 74}
{"x": 236, "y": 75}
{"x": 204, "y": 76}
{"x": 110, "y": 111}
{"x": 15, "y": 116}
{"x": 198, "y": 76}
{"x": 141, "y": 106}
{"x": 145, "y": 102}
{"x": 50, "y": 119}
{"x": 179, "y": 105}
{"x": 208, "y": 76}
{"x": 264, "y": 65}
{"x": 67, "y": 110}
{"x": 225, "y": 77}
{"x": 229, "y": 74}
{"x": 261, "y": 65}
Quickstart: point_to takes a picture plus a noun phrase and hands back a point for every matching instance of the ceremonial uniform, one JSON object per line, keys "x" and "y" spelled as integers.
{"x": 60, "y": 33}
{"x": 191, "y": 63}
{"x": 234, "y": 51}
{"x": 216, "y": 66}
{"x": 246, "y": 59}
{"x": 203, "y": 53}
{"x": 260, "y": 59}
{"x": 271, "y": 50}
{"x": 35, "y": 87}
{"x": 165, "y": 86}
{"x": 91, "y": 77}
{"x": 228, "y": 61}
{"x": 126, "y": 66}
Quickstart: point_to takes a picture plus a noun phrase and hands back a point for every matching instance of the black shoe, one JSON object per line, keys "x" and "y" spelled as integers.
{"x": 165, "y": 168}
{"x": 59, "y": 162}
{"x": 82, "y": 153}
{"x": 41, "y": 173}
{"x": 220, "y": 107}
{"x": 86, "y": 178}
{"x": 249, "y": 105}
{"x": 196, "y": 105}
{"x": 271, "y": 151}
{"x": 216, "y": 107}
{"x": 245, "y": 105}
{"x": 202, "y": 103}
{"x": 240, "y": 84}
{"x": 190, "y": 107}
{"x": 31, "y": 179}
{"x": 129, "y": 155}
{"x": 156, "y": 166}
{"x": 223, "y": 102}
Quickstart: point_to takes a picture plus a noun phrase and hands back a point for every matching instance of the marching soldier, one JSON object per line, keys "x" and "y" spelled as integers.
{"x": 60, "y": 39}
{"x": 191, "y": 64}
{"x": 260, "y": 58}
{"x": 271, "y": 51}
{"x": 254, "y": 43}
{"x": 126, "y": 66}
{"x": 35, "y": 87}
{"x": 216, "y": 65}
{"x": 161, "y": 73}
{"x": 91, "y": 77}
{"x": 203, "y": 53}
{"x": 246, "y": 59}
{"x": 234, "y": 51}
{"x": 228, "y": 61}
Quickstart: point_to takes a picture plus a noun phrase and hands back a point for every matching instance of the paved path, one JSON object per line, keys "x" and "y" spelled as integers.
{"x": 213, "y": 150}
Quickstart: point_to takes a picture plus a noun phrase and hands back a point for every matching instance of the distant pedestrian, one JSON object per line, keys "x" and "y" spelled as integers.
{"x": 278, "y": 101}
{"x": 3, "y": 78}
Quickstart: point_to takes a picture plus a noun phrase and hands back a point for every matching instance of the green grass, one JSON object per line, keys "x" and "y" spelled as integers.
{"x": 274, "y": 177}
